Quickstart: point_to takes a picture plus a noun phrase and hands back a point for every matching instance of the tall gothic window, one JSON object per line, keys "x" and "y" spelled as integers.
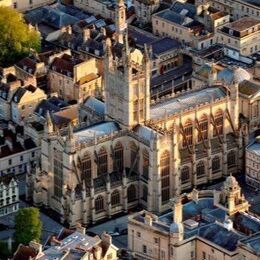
{"x": 200, "y": 169}
{"x": 119, "y": 157}
{"x": 99, "y": 203}
{"x": 165, "y": 176}
{"x": 185, "y": 174}
{"x": 216, "y": 164}
{"x": 203, "y": 126}
{"x": 131, "y": 193}
{"x": 231, "y": 158}
{"x": 58, "y": 173}
{"x": 145, "y": 164}
{"x": 188, "y": 129}
{"x": 218, "y": 118}
{"x": 134, "y": 156}
{"x": 86, "y": 166}
{"x": 115, "y": 198}
{"x": 145, "y": 193}
{"x": 102, "y": 161}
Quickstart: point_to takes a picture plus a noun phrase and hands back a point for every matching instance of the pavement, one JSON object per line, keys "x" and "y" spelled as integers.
{"x": 50, "y": 226}
{"x": 110, "y": 226}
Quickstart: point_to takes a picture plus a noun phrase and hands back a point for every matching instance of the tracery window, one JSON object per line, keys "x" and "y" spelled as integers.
{"x": 145, "y": 164}
{"x": 131, "y": 193}
{"x": 203, "y": 126}
{"x": 102, "y": 161}
{"x": 165, "y": 176}
{"x": 99, "y": 203}
{"x": 86, "y": 166}
{"x": 216, "y": 164}
{"x": 118, "y": 157}
{"x": 134, "y": 157}
{"x": 115, "y": 198}
{"x": 185, "y": 174}
{"x": 188, "y": 131}
{"x": 231, "y": 158}
{"x": 218, "y": 118}
{"x": 58, "y": 173}
{"x": 200, "y": 169}
{"x": 145, "y": 193}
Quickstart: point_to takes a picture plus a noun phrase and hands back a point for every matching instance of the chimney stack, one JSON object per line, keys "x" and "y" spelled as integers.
{"x": 177, "y": 209}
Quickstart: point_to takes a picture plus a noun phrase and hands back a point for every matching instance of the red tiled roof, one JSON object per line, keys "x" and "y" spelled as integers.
{"x": 24, "y": 253}
{"x": 29, "y": 63}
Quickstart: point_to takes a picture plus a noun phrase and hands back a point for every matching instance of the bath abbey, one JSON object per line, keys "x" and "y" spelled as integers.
{"x": 132, "y": 150}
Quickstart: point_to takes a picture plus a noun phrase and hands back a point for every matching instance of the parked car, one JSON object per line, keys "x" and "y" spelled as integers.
{"x": 124, "y": 231}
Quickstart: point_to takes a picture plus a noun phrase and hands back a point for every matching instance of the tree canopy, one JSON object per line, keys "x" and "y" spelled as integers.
{"x": 16, "y": 37}
{"x": 28, "y": 225}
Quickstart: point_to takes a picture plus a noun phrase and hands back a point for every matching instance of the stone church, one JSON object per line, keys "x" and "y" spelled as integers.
{"x": 142, "y": 152}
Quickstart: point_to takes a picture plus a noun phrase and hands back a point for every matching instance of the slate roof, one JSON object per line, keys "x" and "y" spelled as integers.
{"x": 185, "y": 101}
{"x": 52, "y": 105}
{"x": 254, "y": 147}
{"x": 95, "y": 105}
{"x": 53, "y": 17}
{"x": 140, "y": 38}
{"x": 233, "y": 74}
{"x": 96, "y": 130}
{"x": 248, "y": 87}
{"x": 253, "y": 242}
{"x": 174, "y": 17}
{"x": 145, "y": 132}
{"x": 91, "y": 46}
{"x": 185, "y": 9}
{"x": 210, "y": 224}
{"x": 172, "y": 75}
{"x": 220, "y": 236}
{"x": 163, "y": 45}
{"x": 246, "y": 223}
{"x": 253, "y": 2}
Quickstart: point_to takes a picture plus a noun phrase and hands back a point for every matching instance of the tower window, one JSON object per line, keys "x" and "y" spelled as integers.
{"x": 165, "y": 176}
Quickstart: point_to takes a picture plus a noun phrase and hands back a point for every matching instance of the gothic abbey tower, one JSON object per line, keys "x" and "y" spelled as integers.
{"x": 127, "y": 78}
{"x": 120, "y": 21}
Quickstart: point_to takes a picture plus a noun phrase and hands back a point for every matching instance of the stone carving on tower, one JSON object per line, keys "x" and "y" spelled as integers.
{"x": 127, "y": 81}
{"x": 231, "y": 197}
{"x": 120, "y": 20}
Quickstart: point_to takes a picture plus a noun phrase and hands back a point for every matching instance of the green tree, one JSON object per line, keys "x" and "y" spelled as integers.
{"x": 16, "y": 37}
{"x": 28, "y": 225}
